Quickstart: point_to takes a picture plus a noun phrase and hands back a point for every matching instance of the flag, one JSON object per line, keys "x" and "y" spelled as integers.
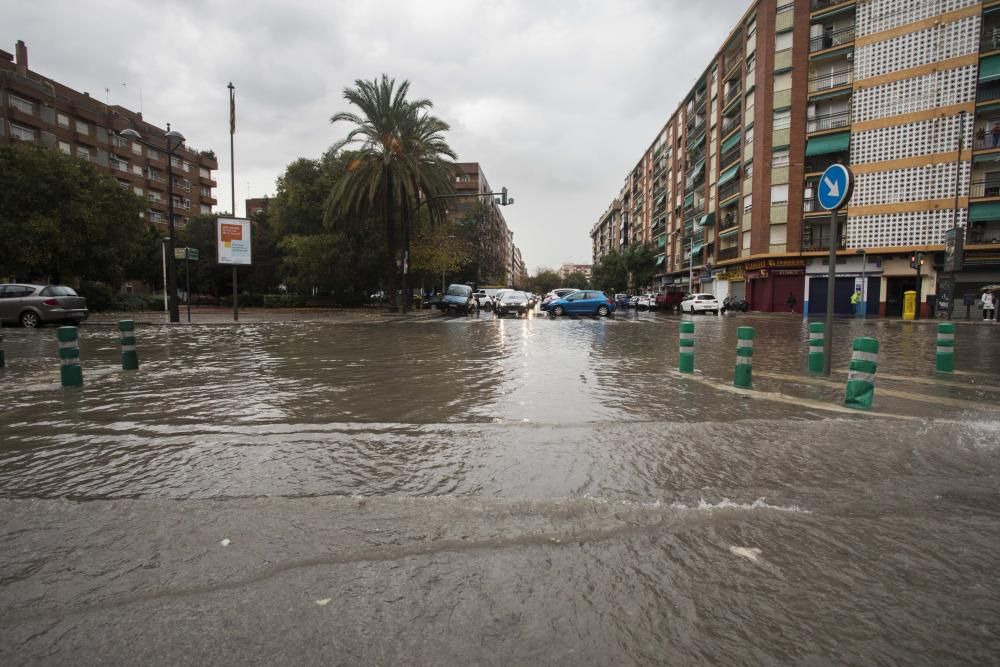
{"x": 232, "y": 109}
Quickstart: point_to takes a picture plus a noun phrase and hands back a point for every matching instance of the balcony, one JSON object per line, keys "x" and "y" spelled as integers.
{"x": 985, "y": 188}
{"x": 842, "y": 77}
{"x": 983, "y": 232}
{"x": 730, "y": 123}
{"x": 832, "y": 40}
{"x": 729, "y": 189}
{"x": 817, "y": 5}
{"x": 783, "y": 60}
{"x": 990, "y": 39}
{"x": 815, "y": 164}
{"x": 732, "y": 155}
{"x": 784, "y": 19}
{"x": 731, "y": 93}
{"x": 829, "y": 121}
{"x": 816, "y": 238}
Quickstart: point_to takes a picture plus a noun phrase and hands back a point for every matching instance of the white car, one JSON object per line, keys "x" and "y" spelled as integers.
{"x": 700, "y": 303}
{"x": 484, "y": 300}
{"x": 646, "y": 301}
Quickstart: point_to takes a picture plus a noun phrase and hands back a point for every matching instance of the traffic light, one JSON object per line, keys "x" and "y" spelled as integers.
{"x": 913, "y": 260}
{"x": 503, "y": 197}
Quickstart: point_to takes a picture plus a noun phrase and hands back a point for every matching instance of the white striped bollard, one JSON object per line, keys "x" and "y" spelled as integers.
{"x": 743, "y": 375}
{"x": 945, "y": 348}
{"x": 817, "y": 333}
{"x": 130, "y": 358}
{"x": 69, "y": 357}
{"x": 685, "y": 361}
{"x": 861, "y": 376}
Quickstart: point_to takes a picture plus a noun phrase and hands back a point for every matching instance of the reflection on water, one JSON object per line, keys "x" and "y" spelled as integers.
{"x": 633, "y": 513}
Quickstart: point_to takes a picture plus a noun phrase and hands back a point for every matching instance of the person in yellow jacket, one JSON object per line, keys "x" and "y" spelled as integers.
{"x": 857, "y": 303}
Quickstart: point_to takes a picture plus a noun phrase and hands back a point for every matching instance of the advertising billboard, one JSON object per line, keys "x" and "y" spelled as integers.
{"x": 233, "y": 236}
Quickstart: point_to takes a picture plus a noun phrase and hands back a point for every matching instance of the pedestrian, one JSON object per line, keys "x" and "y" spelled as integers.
{"x": 988, "y": 306}
{"x": 981, "y": 137}
{"x": 791, "y": 301}
{"x": 856, "y": 302}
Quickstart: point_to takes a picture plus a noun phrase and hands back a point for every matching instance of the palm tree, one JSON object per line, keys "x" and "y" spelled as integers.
{"x": 400, "y": 158}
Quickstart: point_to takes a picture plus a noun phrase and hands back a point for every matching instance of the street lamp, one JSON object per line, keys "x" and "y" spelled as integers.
{"x": 174, "y": 141}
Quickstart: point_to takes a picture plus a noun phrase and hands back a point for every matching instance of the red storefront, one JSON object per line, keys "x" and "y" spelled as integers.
{"x": 770, "y": 281}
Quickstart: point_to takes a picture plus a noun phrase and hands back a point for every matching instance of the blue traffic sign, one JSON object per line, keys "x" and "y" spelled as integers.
{"x": 835, "y": 186}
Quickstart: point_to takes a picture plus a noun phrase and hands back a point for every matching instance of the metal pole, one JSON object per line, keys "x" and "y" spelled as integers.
{"x": 175, "y": 315}
{"x": 232, "y": 185}
{"x": 163, "y": 249}
{"x": 864, "y": 284}
{"x": 830, "y": 293}
{"x": 187, "y": 287}
{"x": 954, "y": 220}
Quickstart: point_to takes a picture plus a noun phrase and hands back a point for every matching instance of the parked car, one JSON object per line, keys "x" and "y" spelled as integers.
{"x": 634, "y": 302}
{"x": 459, "y": 298}
{"x": 700, "y": 303}
{"x": 532, "y": 299}
{"x": 484, "y": 300}
{"x": 583, "y": 302}
{"x": 557, "y": 293}
{"x": 34, "y": 305}
{"x": 646, "y": 301}
{"x": 622, "y": 300}
{"x": 670, "y": 299}
{"x": 512, "y": 301}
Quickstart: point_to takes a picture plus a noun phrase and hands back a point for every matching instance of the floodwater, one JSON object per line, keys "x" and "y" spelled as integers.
{"x": 452, "y": 490}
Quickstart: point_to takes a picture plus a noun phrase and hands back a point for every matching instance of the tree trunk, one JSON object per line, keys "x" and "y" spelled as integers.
{"x": 390, "y": 244}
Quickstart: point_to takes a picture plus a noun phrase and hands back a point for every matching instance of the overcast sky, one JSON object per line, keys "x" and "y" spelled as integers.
{"x": 555, "y": 99}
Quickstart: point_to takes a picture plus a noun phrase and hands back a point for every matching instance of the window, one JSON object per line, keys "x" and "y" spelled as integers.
{"x": 120, "y": 165}
{"x": 779, "y": 158}
{"x": 748, "y": 136}
{"x": 137, "y": 170}
{"x": 751, "y": 62}
{"x": 204, "y": 173}
{"x": 65, "y": 147}
{"x": 22, "y": 133}
{"x": 125, "y": 185}
{"x": 137, "y": 190}
{"x": 779, "y": 194}
{"x": 748, "y": 171}
{"x": 82, "y": 127}
{"x": 748, "y": 203}
{"x": 21, "y": 104}
{"x": 782, "y": 41}
{"x": 118, "y": 141}
{"x": 62, "y": 120}
{"x": 782, "y": 119}
{"x": 137, "y": 148}
{"x": 751, "y": 28}
{"x": 83, "y": 152}
{"x": 152, "y": 154}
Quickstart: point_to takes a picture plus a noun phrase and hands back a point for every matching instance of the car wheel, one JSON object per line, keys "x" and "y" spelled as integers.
{"x": 603, "y": 311}
{"x": 29, "y": 320}
{"x": 558, "y": 311}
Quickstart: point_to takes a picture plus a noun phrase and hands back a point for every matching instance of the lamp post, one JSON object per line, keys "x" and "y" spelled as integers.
{"x": 864, "y": 282}
{"x": 174, "y": 141}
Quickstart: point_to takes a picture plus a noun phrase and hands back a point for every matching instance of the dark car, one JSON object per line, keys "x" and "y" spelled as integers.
{"x": 459, "y": 298}
{"x": 34, "y": 305}
{"x": 670, "y": 299}
{"x": 512, "y": 301}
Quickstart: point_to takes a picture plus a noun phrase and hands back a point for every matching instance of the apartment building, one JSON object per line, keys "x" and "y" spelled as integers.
{"x": 726, "y": 190}
{"x": 36, "y": 108}
{"x": 497, "y": 258}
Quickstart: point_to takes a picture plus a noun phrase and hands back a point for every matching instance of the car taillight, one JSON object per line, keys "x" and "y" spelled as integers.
{"x": 51, "y": 302}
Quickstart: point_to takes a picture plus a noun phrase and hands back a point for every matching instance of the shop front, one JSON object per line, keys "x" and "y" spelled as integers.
{"x": 775, "y": 285}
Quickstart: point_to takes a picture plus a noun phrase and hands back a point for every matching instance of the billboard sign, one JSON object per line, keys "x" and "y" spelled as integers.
{"x": 233, "y": 237}
{"x": 954, "y": 247}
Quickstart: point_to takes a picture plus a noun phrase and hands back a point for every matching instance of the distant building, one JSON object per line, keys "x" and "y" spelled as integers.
{"x": 256, "y": 206}
{"x": 566, "y": 269}
{"x": 36, "y": 108}
{"x": 496, "y": 255}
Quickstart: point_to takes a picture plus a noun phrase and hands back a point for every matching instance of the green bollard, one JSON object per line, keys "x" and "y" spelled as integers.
{"x": 130, "y": 358}
{"x": 945, "y": 348}
{"x": 69, "y": 357}
{"x": 686, "y": 359}
{"x": 861, "y": 377}
{"x": 744, "y": 357}
{"x": 817, "y": 332}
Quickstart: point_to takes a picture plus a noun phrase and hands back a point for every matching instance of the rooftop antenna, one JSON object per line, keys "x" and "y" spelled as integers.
{"x": 107, "y": 96}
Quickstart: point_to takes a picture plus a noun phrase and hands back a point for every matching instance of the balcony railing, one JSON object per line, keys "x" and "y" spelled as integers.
{"x": 988, "y": 93}
{"x": 987, "y": 142}
{"x": 729, "y": 189}
{"x": 990, "y": 40}
{"x": 978, "y": 234}
{"x": 836, "y": 79}
{"x": 989, "y": 188}
{"x": 730, "y": 156}
{"x": 832, "y": 39}
{"x": 729, "y": 123}
{"x": 817, "y": 242}
{"x": 823, "y": 4}
{"x": 828, "y": 121}
{"x": 727, "y": 253}
{"x": 731, "y": 94}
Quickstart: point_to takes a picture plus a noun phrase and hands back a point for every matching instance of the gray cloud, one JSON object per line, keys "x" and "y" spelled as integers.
{"x": 557, "y": 100}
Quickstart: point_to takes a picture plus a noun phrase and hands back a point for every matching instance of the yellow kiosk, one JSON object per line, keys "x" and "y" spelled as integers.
{"x": 909, "y": 304}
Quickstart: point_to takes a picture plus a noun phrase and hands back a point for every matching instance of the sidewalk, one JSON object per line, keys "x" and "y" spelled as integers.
{"x": 204, "y": 315}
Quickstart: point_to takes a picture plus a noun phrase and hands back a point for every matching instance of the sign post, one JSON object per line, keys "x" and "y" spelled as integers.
{"x": 835, "y": 186}
{"x": 233, "y": 237}
{"x": 954, "y": 259}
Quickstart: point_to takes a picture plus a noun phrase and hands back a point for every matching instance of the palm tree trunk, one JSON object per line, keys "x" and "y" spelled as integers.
{"x": 390, "y": 246}
{"x": 405, "y": 267}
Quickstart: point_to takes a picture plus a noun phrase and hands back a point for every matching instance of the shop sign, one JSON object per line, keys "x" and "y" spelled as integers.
{"x": 731, "y": 276}
{"x": 790, "y": 262}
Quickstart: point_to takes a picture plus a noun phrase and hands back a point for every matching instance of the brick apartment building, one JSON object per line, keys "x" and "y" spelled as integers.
{"x": 884, "y": 86}
{"x": 36, "y": 108}
{"x": 499, "y": 260}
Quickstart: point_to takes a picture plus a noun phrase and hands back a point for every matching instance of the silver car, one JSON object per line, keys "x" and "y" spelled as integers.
{"x": 34, "y": 305}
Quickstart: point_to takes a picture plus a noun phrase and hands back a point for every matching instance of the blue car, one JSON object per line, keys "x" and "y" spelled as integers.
{"x": 582, "y": 302}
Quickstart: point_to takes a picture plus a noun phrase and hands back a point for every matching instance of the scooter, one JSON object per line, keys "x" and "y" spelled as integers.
{"x": 735, "y": 303}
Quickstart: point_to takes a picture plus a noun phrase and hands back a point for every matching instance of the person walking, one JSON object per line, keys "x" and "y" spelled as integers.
{"x": 857, "y": 303}
{"x": 988, "y": 305}
{"x": 791, "y": 301}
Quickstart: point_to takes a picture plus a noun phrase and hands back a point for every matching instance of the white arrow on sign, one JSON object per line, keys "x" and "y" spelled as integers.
{"x": 833, "y": 186}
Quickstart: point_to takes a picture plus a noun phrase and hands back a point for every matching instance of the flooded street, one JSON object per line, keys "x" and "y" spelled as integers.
{"x": 452, "y": 490}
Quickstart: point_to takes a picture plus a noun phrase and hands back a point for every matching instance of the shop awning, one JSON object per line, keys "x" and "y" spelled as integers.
{"x": 730, "y": 142}
{"x": 986, "y": 157}
{"x": 693, "y": 145}
{"x": 659, "y": 260}
{"x": 728, "y": 174}
{"x": 989, "y": 69}
{"x": 706, "y": 220}
{"x": 729, "y": 232}
{"x": 984, "y": 211}
{"x": 696, "y": 172}
{"x": 661, "y": 198}
{"x": 830, "y": 143}
{"x": 661, "y": 241}
{"x": 696, "y": 249}
{"x": 689, "y": 200}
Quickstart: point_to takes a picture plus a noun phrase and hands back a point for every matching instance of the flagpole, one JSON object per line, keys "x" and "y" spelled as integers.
{"x": 232, "y": 185}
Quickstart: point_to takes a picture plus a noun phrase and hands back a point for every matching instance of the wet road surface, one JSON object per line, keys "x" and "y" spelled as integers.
{"x": 453, "y": 490}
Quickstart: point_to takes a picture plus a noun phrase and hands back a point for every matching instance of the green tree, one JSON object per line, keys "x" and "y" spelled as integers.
{"x": 640, "y": 262}
{"x": 576, "y": 279}
{"x": 400, "y": 157}
{"x": 610, "y": 274}
{"x": 439, "y": 250}
{"x": 544, "y": 281}
{"x": 60, "y": 218}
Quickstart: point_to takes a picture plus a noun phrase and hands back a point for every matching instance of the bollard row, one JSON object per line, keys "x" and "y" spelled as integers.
{"x": 685, "y": 363}
{"x": 817, "y": 335}
{"x": 742, "y": 376}
{"x": 130, "y": 358}
{"x": 70, "y": 372}
{"x": 945, "y": 348}
{"x": 861, "y": 374}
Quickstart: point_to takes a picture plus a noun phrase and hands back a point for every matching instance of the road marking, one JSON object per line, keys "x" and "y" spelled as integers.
{"x": 936, "y": 381}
